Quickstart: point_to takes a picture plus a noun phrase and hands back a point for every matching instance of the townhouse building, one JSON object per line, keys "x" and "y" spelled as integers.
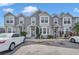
{"x": 49, "y": 24}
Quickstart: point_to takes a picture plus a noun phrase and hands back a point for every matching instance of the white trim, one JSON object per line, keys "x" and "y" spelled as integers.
{"x": 55, "y": 20}
{"x": 46, "y": 30}
{"x": 21, "y": 19}
{"x": 9, "y": 18}
{"x": 67, "y": 20}
{"x": 33, "y": 19}
{"x": 10, "y": 28}
{"x": 44, "y": 20}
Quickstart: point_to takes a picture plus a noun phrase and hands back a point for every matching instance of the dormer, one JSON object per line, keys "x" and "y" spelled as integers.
{"x": 55, "y": 19}
{"x": 21, "y": 19}
{"x": 9, "y": 19}
{"x": 44, "y": 18}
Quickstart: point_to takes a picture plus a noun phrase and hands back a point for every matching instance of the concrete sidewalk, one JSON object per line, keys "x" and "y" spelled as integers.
{"x": 37, "y": 49}
{"x": 40, "y": 40}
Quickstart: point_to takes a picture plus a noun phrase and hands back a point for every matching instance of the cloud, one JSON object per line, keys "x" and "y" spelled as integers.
{"x": 5, "y": 4}
{"x": 8, "y": 10}
{"x": 30, "y": 9}
{"x": 76, "y": 10}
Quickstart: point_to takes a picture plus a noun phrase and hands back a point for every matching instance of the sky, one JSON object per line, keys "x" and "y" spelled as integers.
{"x": 28, "y": 8}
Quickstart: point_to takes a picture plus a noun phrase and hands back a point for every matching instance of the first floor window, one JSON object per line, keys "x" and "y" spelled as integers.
{"x": 9, "y": 30}
{"x": 13, "y": 31}
{"x": 47, "y": 30}
{"x": 44, "y": 30}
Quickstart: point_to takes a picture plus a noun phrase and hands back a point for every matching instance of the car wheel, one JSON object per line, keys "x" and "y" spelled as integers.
{"x": 73, "y": 40}
{"x": 12, "y": 46}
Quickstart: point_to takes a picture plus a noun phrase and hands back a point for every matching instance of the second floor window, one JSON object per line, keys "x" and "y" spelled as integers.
{"x": 33, "y": 20}
{"x": 21, "y": 22}
{"x": 66, "y": 20}
{"x": 77, "y": 19}
{"x": 55, "y": 20}
{"x": 44, "y": 19}
{"x": 9, "y": 21}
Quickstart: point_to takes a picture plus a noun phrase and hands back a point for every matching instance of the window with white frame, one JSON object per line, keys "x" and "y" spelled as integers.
{"x": 66, "y": 20}
{"x": 33, "y": 20}
{"x": 9, "y": 30}
{"x": 45, "y": 30}
{"x": 9, "y": 19}
{"x": 44, "y": 19}
{"x": 55, "y": 20}
{"x": 77, "y": 19}
{"x": 21, "y": 20}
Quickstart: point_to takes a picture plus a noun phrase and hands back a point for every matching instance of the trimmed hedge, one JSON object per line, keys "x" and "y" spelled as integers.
{"x": 50, "y": 37}
{"x": 23, "y": 33}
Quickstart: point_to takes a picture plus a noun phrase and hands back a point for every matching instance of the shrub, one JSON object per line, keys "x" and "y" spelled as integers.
{"x": 50, "y": 37}
{"x": 23, "y": 33}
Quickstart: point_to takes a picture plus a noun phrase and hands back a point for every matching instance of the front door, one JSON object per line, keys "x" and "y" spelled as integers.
{"x": 33, "y": 31}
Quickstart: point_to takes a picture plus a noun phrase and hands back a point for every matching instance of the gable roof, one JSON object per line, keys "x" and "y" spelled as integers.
{"x": 65, "y": 14}
{"x": 8, "y": 13}
{"x": 20, "y": 15}
{"x": 39, "y": 12}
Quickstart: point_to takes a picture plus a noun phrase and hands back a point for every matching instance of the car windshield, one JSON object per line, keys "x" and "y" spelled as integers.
{"x": 4, "y": 35}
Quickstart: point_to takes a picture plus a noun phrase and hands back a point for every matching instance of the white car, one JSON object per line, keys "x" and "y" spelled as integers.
{"x": 8, "y": 41}
{"x": 74, "y": 39}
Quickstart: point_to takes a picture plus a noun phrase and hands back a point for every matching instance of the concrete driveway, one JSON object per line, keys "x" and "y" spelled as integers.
{"x": 55, "y": 47}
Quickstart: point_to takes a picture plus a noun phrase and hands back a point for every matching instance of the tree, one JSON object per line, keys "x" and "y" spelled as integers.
{"x": 76, "y": 28}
